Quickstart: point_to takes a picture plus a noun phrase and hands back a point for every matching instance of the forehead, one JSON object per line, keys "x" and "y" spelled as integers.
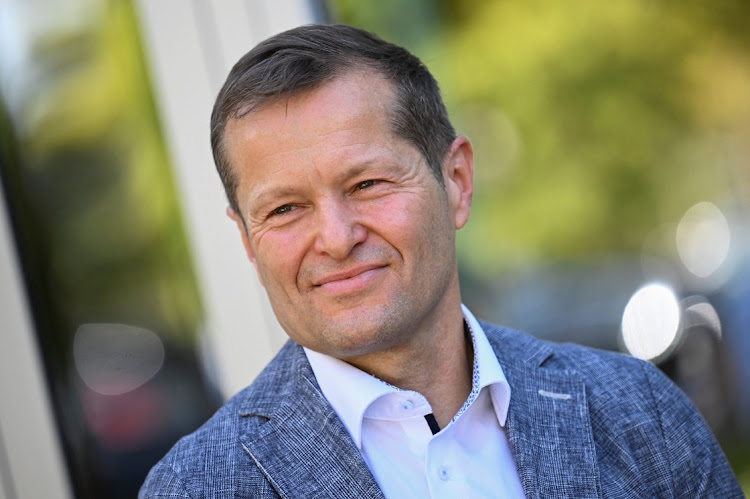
{"x": 344, "y": 116}
{"x": 345, "y": 98}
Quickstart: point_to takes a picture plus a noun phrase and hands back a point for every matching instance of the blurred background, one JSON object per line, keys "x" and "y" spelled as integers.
{"x": 612, "y": 145}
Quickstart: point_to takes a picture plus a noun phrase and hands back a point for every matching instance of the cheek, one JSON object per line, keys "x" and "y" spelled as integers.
{"x": 424, "y": 229}
{"x": 403, "y": 221}
{"x": 278, "y": 256}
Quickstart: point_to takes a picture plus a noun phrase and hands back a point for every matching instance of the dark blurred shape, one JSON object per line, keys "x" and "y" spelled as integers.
{"x": 99, "y": 231}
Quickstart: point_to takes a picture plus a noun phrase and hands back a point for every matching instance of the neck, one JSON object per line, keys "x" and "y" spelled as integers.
{"x": 438, "y": 367}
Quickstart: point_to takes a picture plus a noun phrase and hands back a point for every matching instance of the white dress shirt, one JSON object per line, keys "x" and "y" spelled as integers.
{"x": 469, "y": 457}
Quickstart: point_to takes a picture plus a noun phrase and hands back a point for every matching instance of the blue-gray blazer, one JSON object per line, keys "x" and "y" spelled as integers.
{"x": 581, "y": 423}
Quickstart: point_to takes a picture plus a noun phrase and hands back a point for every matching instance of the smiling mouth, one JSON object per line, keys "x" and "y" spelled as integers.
{"x": 350, "y": 280}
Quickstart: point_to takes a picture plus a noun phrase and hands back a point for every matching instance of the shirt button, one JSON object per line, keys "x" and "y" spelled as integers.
{"x": 407, "y": 405}
{"x": 444, "y": 473}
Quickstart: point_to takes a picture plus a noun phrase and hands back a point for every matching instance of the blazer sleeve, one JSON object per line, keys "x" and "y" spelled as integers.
{"x": 696, "y": 462}
{"x": 206, "y": 465}
{"x": 163, "y": 481}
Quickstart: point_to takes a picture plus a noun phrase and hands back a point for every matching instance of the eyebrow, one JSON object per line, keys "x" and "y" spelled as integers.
{"x": 267, "y": 195}
{"x": 355, "y": 170}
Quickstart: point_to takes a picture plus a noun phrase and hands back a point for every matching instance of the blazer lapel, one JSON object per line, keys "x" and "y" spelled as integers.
{"x": 548, "y": 425}
{"x": 301, "y": 446}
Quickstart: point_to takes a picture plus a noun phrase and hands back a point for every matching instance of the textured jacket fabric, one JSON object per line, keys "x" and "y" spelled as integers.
{"x": 581, "y": 423}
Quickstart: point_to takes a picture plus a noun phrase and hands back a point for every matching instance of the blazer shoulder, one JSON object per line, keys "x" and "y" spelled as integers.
{"x": 518, "y": 350}
{"x": 616, "y": 384}
{"x": 632, "y": 400}
{"x": 212, "y": 458}
{"x": 209, "y": 462}
{"x": 635, "y": 411}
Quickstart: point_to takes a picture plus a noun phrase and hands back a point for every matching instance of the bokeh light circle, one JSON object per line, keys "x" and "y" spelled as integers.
{"x": 703, "y": 239}
{"x": 651, "y": 321}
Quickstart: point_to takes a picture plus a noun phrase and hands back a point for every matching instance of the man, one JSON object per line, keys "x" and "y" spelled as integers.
{"x": 347, "y": 183}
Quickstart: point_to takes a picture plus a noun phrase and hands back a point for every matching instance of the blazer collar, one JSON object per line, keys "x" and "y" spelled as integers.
{"x": 549, "y": 430}
{"x": 295, "y": 437}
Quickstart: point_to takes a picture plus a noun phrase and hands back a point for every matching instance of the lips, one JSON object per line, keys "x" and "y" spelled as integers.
{"x": 349, "y": 280}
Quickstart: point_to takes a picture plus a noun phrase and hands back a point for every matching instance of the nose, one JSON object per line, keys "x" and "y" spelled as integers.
{"x": 339, "y": 230}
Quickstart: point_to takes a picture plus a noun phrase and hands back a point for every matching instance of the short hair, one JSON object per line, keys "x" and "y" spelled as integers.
{"x": 308, "y": 57}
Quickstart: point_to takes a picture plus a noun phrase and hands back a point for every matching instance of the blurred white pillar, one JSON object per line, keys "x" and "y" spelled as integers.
{"x": 31, "y": 459}
{"x": 191, "y": 46}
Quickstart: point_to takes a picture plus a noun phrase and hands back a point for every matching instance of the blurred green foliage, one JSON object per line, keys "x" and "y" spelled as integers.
{"x": 594, "y": 124}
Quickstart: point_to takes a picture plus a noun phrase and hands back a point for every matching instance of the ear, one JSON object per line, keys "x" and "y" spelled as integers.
{"x": 245, "y": 240}
{"x": 458, "y": 173}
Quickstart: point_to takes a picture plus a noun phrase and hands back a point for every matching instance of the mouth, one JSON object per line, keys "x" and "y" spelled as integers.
{"x": 349, "y": 280}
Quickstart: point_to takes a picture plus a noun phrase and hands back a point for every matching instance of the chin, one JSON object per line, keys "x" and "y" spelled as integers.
{"x": 355, "y": 331}
{"x": 363, "y": 337}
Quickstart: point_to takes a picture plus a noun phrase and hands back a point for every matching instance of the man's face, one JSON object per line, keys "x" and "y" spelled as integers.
{"x": 349, "y": 231}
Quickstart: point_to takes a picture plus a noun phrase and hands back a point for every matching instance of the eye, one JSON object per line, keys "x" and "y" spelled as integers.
{"x": 282, "y": 209}
{"x": 365, "y": 184}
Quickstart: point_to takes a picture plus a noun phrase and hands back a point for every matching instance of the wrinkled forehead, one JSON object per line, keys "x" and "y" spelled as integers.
{"x": 346, "y": 98}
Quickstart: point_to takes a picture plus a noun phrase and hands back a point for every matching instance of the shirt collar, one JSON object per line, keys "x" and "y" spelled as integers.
{"x": 487, "y": 371}
{"x": 350, "y": 391}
